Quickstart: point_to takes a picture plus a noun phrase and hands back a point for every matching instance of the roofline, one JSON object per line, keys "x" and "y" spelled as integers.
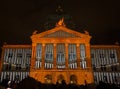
{"x": 61, "y": 28}
{"x": 29, "y": 46}
{"x": 106, "y": 46}
{"x": 16, "y": 46}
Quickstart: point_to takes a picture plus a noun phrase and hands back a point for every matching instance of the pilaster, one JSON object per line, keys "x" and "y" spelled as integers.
{"x": 88, "y": 57}
{"x": 66, "y": 55}
{"x": 33, "y": 56}
{"x": 78, "y": 55}
{"x": 43, "y": 55}
{"x": 55, "y": 56}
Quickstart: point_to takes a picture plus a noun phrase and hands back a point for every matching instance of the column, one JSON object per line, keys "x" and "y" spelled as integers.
{"x": 78, "y": 56}
{"x": 66, "y": 55}
{"x": 43, "y": 55}
{"x": 88, "y": 59}
{"x": 33, "y": 56}
{"x": 55, "y": 57}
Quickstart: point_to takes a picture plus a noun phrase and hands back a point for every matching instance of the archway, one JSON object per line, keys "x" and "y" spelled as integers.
{"x": 73, "y": 79}
{"x": 48, "y": 79}
{"x": 60, "y": 79}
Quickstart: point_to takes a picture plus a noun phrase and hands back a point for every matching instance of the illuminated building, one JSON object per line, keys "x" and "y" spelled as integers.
{"x": 61, "y": 54}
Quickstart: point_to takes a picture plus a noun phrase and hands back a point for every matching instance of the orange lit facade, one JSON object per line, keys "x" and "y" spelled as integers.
{"x": 64, "y": 53}
{"x": 61, "y": 54}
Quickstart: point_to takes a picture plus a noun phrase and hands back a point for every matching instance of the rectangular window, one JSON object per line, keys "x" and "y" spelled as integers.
{"x": 49, "y": 53}
{"x": 28, "y": 55}
{"x": 83, "y": 56}
{"x": 82, "y": 51}
{"x": 10, "y": 55}
{"x": 72, "y": 52}
{"x": 112, "y": 55}
{"x": 39, "y": 51}
{"x": 101, "y": 55}
{"x": 60, "y": 55}
{"x": 19, "y": 55}
{"x": 92, "y": 55}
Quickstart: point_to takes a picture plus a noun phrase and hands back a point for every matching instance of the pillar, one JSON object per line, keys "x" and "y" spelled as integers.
{"x": 33, "y": 56}
{"x": 55, "y": 57}
{"x": 66, "y": 55}
{"x": 88, "y": 58}
{"x": 43, "y": 56}
{"x": 78, "y": 56}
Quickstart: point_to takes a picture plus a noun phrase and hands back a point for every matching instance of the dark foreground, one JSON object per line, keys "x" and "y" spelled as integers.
{"x": 30, "y": 83}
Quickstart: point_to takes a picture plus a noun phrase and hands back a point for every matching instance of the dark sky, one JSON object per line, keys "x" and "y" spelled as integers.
{"x": 18, "y": 18}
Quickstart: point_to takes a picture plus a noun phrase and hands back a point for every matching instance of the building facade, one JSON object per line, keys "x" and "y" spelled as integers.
{"x": 61, "y": 54}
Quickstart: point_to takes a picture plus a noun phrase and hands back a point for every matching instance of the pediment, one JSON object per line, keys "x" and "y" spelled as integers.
{"x": 60, "y": 32}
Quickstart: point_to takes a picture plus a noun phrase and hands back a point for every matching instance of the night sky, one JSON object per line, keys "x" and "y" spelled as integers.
{"x": 19, "y": 18}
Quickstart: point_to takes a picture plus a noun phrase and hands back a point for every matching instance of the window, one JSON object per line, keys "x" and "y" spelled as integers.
{"x": 17, "y": 79}
{"x": 13, "y": 66}
{"x": 27, "y": 66}
{"x": 92, "y": 55}
{"x": 10, "y": 55}
{"x": 101, "y": 55}
{"x": 5, "y": 66}
{"x": 60, "y": 53}
{"x": 19, "y": 55}
{"x": 102, "y": 68}
{"x": 28, "y": 55}
{"x": 49, "y": 53}
{"x": 18, "y": 66}
{"x": 94, "y": 68}
{"x": 83, "y": 56}
{"x": 112, "y": 55}
{"x": 114, "y": 67}
{"x": 105, "y": 78}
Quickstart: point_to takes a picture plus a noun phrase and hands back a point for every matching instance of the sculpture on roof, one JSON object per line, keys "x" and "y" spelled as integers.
{"x": 60, "y": 22}
{"x": 59, "y": 10}
{"x": 86, "y": 32}
{"x": 35, "y": 32}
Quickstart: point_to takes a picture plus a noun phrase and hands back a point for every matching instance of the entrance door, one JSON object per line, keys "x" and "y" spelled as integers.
{"x": 48, "y": 79}
{"x": 73, "y": 79}
{"x": 60, "y": 79}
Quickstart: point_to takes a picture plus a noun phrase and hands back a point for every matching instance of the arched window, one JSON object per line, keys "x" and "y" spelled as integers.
{"x": 48, "y": 79}
{"x": 60, "y": 79}
{"x": 73, "y": 79}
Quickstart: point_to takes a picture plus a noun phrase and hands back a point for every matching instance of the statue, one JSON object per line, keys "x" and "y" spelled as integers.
{"x": 35, "y": 32}
{"x": 60, "y": 23}
{"x": 59, "y": 10}
{"x": 86, "y": 32}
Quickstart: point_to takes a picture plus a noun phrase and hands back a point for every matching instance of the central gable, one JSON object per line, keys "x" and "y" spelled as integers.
{"x": 60, "y": 34}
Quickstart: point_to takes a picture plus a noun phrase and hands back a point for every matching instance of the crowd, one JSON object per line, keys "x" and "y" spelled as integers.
{"x": 30, "y": 83}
